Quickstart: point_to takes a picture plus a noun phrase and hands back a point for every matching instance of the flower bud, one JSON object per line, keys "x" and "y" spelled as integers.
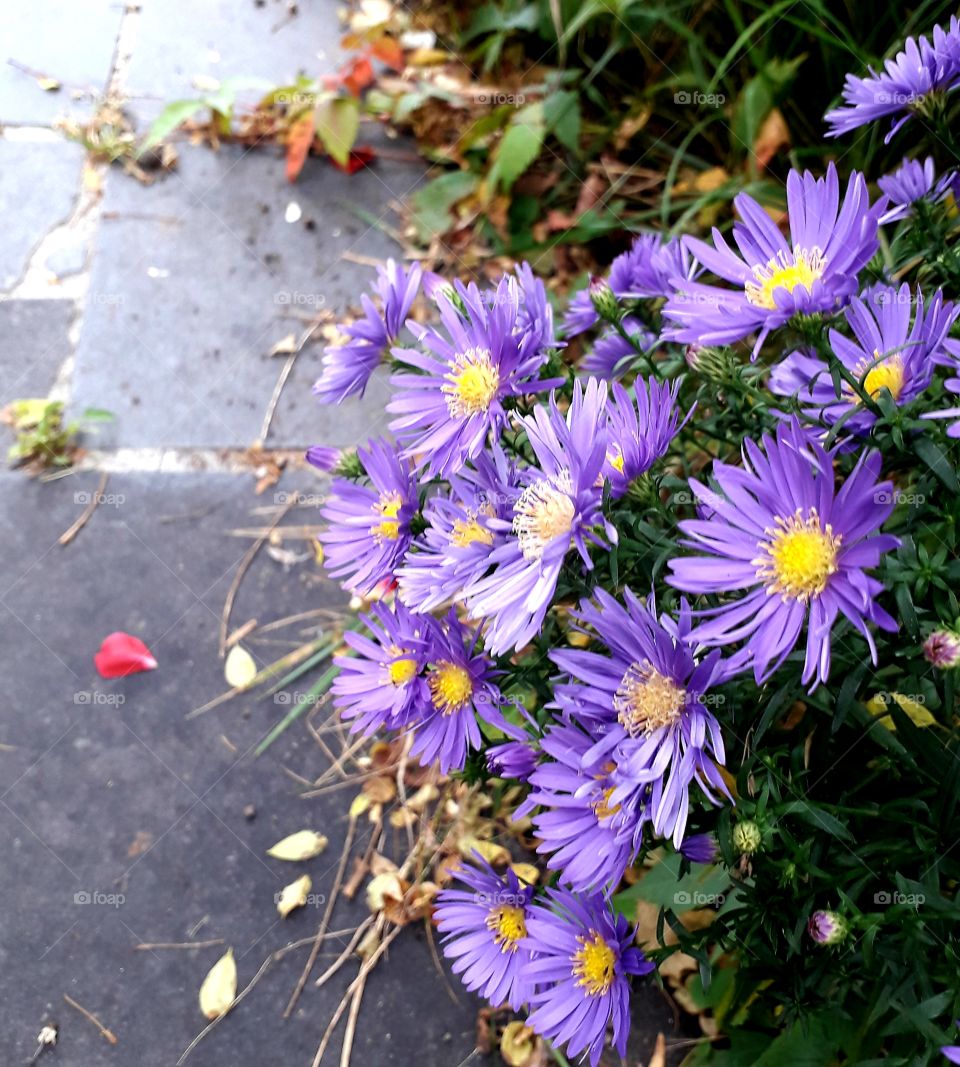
{"x": 942, "y": 649}
{"x": 604, "y": 300}
{"x": 747, "y": 837}
{"x": 700, "y": 848}
{"x": 827, "y": 927}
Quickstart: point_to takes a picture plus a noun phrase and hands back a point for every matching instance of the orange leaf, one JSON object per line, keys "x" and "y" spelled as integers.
{"x": 388, "y": 51}
{"x": 358, "y": 76}
{"x": 299, "y": 140}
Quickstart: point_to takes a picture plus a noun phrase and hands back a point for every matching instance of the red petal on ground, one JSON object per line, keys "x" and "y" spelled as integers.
{"x": 360, "y": 157}
{"x": 122, "y": 654}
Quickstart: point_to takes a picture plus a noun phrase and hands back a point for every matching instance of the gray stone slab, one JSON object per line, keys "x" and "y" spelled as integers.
{"x": 181, "y": 40}
{"x": 69, "y": 40}
{"x": 35, "y": 344}
{"x": 123, "y": 822}
{"x": 39, "y": 184}
{"x": 195, "y": 278}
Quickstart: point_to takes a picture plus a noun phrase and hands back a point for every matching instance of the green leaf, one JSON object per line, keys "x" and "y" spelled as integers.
{"x": 935, "y": 458}
{"x": 662, "y": 885}
{"x": 561, "y": 113}
{"x": 432, "y": 205}
{"x": 338, "y": 119}
{"x": 97, "y": 415}
{"x": 519, "y": 146}
{"x": 172, "y": 116}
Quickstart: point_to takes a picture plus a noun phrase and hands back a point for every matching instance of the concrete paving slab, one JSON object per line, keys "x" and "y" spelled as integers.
{"x": 70, "y": 40}
{"x": 125, "y": 822}
{"x": 195, "y": 279}
{"x": 36, "y": 343}
{"x": 179, "y": 41}
{"x": 39, "y": 184}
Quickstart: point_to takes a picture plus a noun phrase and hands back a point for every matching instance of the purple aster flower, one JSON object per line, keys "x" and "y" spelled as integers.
{"x": 645, "y": 704}
{"x": 892, "y": 349}
{"x": 557, "y": 510}
{"x": 323, "y": 458}
{"x": 446, "y": 413}
{"x": 645, "y": 271}
{"x": 700, "y": 848}
{"x": 827, "y": 927}
{"x": 949, "y": 357}
{"x": 347, "y": 368}
{"x": 640, "y": 428}
{"x": 460, "y": 688}
{"x": 942, "y": 649}
{"x": 381, "y": 685}
{"x": 485, "y": 933}
{"x": 913, "y": 181}
{"x": 512, "y": 759}
{"x": 778, "y": 529}
{"x": 535, "y": 315}
{"x": 775, "y": 279}
{"x": 904, "y": 86}
{"x": 952, "y": 1052}
{"x": 612, "y": 354}
{"x": 583, "y": 955}
{"x": 368, "y": 526}
{"x": 455, "y": 548}
{"x": 588, "y": 838}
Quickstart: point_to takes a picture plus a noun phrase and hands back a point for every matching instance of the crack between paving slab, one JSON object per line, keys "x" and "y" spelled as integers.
{"x": 187, "y": 460}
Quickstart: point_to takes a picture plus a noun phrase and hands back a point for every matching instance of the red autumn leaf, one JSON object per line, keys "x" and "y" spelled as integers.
{"x": 388, "y": 51}
{"x": 359, "y": 74}
{"x": 122, "y": 654}
{"x": 360, "y": 157}
{"x": 298, "y": 145}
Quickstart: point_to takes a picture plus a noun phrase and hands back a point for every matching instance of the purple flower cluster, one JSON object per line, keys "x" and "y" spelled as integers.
{"x": 485, "y": 527}
{"x": 569, "y": 957}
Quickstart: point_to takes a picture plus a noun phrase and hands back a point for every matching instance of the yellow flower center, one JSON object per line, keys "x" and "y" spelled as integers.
{"x": 594, "y": 964}
{"x": 508, "y": 926}
{"x": 544, "y": 511}
{"x": 450, "y": 687}
{"x": 645, "y": 700}
{"x": 402, "y": 670}
{"x": 602, "y": 808}
{"x": 388, "y": 508}
{"x": 799, "y": 556}
{"x": 887, "y": 374}
{"x": 784, "y": 272}
{"x": 471, "y": 384}
{"x": 615, "y": 458}
{"x": 468, "y": 532}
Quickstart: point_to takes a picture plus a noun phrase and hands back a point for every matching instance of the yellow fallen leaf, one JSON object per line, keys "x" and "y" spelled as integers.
{"x": 361, "y": 802}
{"x": 303, "y": 845}
{"x": 48, "y": 85}
{"x": 526, "y": 872}
{"x": 240, "y": 668}
{"x": 219, "y": 987}
{"x": 518, "y": 1044}
{"x": 659, "y": 1057}
{"x": 294, "y": 895}
{"x": 495, "y": 855}
{"x": 382, "y": 888}
{"x": 914, "y": 710}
